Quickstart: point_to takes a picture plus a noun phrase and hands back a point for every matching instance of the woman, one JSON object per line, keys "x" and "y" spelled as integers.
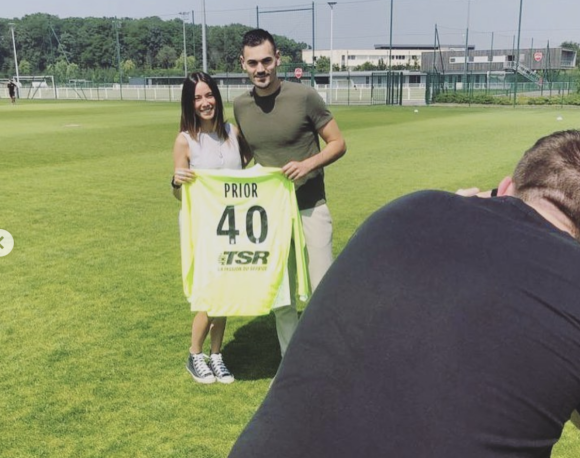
{"x": 205, "y": 141}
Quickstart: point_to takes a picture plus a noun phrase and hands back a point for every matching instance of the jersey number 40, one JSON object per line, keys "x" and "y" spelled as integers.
{"x": 227, "y": 224}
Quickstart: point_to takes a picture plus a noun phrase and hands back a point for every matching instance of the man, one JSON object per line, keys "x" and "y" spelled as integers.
{"x": 12, "y": 91}
{"x": 282, "y": 123}
{"x": 448, "y": 327}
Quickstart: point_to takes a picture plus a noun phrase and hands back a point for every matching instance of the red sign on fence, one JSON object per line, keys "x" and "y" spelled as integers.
{"x": 298, "y": 72}
{"x": 538, "y": 56}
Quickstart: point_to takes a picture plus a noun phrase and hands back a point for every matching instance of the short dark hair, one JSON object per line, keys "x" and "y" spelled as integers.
{"x": 550, "y": 170}
{"x": 256, "y": 37}
{"x": 189, "y": 120}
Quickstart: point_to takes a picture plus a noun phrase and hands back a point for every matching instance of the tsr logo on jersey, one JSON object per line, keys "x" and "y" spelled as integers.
{"x": 228, "y": 258}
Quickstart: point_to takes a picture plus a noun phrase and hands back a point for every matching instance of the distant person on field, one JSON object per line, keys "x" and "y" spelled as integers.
{"x": 449, "y": 327}
{"x": 205, "y": 141}
{"x": 283, "y": 123}
{"x": 12, "y": 91}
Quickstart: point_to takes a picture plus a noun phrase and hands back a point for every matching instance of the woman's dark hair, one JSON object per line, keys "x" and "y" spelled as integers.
{"x": 190, "y": 122}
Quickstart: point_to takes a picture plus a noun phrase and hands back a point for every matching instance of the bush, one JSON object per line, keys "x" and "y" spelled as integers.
{"x": 478, "y": 99}
{"x": 573, "y": 99}
{"x": 486, "y": 99}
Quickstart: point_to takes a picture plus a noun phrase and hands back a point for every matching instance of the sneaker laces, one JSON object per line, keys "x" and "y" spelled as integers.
{"x": 200, "y": 365}
{"x": 218, "y": 366}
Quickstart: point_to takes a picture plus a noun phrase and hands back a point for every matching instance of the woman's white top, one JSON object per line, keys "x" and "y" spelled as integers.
{"x": 211, "y": 152}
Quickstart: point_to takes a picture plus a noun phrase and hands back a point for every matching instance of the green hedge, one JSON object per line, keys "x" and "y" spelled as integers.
{"x": 573, "y": 99}
{"x": 479, "y": 99}
{"x": 486, "y": 99}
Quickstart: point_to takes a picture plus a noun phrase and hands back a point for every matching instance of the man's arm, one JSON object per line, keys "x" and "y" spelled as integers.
{"x": 504, "y": 188}
{"x": 335, "y": 148}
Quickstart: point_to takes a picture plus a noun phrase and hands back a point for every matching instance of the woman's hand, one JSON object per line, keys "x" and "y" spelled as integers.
{"x": 183, "y": 176}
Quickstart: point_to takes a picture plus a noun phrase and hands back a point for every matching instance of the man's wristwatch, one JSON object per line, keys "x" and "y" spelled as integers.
{"x": 174, "y": 185}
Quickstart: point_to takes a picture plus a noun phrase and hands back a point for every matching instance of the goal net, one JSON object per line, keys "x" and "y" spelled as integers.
{"x": 295, "y": 23}
{"x": 36, "y": 86}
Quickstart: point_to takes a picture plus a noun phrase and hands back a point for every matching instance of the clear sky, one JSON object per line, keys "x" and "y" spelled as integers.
{"x": 358, "y": 24}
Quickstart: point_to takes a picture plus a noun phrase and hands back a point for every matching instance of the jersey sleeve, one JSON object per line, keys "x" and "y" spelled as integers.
{"x": 187, "y": 241}
{"x": 302, "y": 277}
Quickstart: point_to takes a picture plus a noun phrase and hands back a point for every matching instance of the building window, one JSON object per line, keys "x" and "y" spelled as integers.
{"x": 414, "y": 79}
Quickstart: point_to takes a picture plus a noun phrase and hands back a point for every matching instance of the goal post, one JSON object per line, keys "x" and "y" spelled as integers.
{"x": 296, "y": 23}
{"x": 37, "y": 87}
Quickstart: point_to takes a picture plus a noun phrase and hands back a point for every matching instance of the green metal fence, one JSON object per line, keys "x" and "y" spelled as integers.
{"x": 387, "y": 88}
{"x": 501, "y": 84}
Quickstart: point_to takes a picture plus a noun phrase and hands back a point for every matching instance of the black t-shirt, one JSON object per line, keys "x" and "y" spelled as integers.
{"x": 449, "y": 327}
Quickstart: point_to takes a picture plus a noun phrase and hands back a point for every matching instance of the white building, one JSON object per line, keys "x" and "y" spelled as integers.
{"x": 408, "y": 56}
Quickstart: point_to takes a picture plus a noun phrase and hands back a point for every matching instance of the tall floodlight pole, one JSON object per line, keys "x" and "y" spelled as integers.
{"x": 331, "y": 4}
{"x": 193, "y": 28}
{"x": 391, "y": 38}
{"x": 517, "y": 56}
{"x": 12, "y": 25}
{"x": 117, "y": 27}
{"x": 183, "y": 17}
{"x": 203, "y": 38}
{"x": 390, "y": 90}
{"x": 467, "y": 45}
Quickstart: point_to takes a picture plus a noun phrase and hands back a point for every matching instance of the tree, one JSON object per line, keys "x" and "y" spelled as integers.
{"x": 190, "y": 63}
{"x": 24, "y": 67}
{"x": 323, "y": 64}
{"x": 571, "y": 45}
{"x": 365, "y": 67}
{"x": 72, "y": 71}
{"x": 128, "y": 66}
{"x": 290, "y": 48}
{"x": 58, "y": 70}
{"x": 166, "y": 57}
{"x": 34, "y": 39}
{"x": 150, "y": 45}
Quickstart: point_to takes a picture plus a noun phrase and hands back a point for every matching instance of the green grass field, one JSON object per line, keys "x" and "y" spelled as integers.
{"x": 94, "y": 328}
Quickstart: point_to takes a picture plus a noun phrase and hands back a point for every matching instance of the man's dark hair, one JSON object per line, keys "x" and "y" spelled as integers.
{"x": 256, "y": 37}
{"x": 550, "y": 170}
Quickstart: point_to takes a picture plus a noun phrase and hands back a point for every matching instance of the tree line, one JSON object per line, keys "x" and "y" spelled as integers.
{"x": 93, "y": 48}
{"x": 86, "y": 48}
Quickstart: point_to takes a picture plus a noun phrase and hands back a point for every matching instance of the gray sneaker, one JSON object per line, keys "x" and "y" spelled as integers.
{"x": 219, "y": 369}
{"x": 199, "y": 369}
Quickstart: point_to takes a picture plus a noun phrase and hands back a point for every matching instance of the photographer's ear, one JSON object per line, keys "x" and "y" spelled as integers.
{"x": 506, "y": 187}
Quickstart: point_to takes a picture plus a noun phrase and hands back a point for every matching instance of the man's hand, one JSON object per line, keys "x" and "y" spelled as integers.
{"x": 469, "y": 192}
{"x": 295, "y": 170}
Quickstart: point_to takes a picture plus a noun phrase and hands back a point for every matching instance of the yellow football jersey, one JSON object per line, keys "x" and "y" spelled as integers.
{"x": 237, "y": 227}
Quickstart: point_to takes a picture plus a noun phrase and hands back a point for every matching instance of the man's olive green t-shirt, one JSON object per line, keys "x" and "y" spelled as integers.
{"x": 283, "y": 127}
